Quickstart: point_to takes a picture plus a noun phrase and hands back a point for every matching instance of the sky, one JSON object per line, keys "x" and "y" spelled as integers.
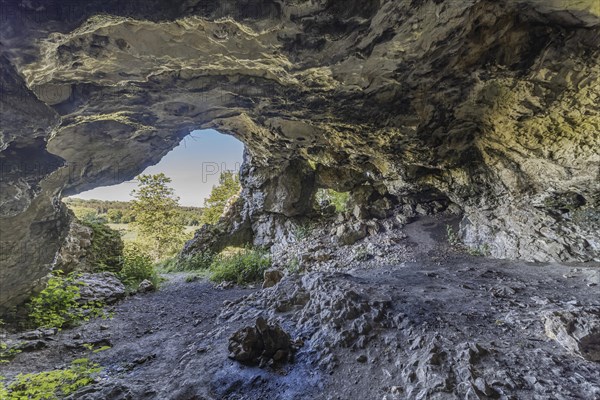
{"x": 193, "y": 166}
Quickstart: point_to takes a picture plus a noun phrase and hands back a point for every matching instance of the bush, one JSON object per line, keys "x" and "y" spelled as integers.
{"x": 338, "y": 199}
{"x": 7, "y": 352}
{"x": 107, "y": 248}
{"x": 167, "y": 265}
{"x": 198, "y": 261}
{"x": 55, "y": 384}
{"x": 244, "y": 266}
{"x": 57, "y": 305}
{"x": 137, "y": 266}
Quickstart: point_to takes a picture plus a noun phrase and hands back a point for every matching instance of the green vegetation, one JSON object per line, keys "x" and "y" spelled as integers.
{"x": 137, "y": 266}
{"x": 7, "y": 352}
{"x": 302, "y": 231}
{"x": 57, "y": 305}
{"x": 50, "y": 385}
{"x": 106, "y": 250}
{"x": 119, "y": 212}
{"x": 196, "y": 262}
{"x": 452, "y": 236}
{"x": 294, "y": 266}
{"x": 156, "y": 216}
{"x": 339, "y": 199}
{"x": 240, "y": 266}
{"x": 214, "y": 205}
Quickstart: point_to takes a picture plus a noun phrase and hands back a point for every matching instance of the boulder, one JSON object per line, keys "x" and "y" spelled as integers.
{"x": 104, "y": 287}
{"x": 351, "y": 233}
{"x": 261, "y": 344}
{"x": 578, "y": 331}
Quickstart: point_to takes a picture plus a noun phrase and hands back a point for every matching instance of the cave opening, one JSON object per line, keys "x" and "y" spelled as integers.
{"x": 194, "y": 166}
{"x": 198, "y": 177}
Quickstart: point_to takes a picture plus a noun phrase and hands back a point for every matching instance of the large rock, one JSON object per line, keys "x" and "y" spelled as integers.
{"x": 578, "y": 331}
{"x": 261, "y": 344}
{"x": 103, "y": 287}
{"x": 489, "y": 105}
{"x": 90, "y": 247}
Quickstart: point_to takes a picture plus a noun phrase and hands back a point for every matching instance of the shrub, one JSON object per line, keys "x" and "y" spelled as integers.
{"x": 7, "y": 352}
{"x": 106, "y": 252}
{"x": 338, "y": 199}
{"x": 196, "y": 262}
{"x": 244, "y": 266}
{"x": 302, "y": 231}
{"x": 57, "y": 305}
{"x": 137, "y": 266}
{"x": 55, "y": 384}
{"x": 167, "y": 265}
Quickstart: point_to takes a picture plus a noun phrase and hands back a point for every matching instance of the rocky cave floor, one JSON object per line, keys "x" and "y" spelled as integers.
{"x": 441, "y": 325}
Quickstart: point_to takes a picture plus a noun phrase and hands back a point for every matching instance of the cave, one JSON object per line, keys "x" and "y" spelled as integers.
{"x": 485, "y": 109}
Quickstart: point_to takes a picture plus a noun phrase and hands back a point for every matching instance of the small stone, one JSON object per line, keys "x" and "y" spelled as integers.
{"x": 145, "y": 286}
{"x": 272, "y": 277}
{"x": 481, "y": 386}
{"x": 396, "y": 390}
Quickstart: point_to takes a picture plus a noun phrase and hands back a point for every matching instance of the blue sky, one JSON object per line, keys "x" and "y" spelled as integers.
{"x": 194, "y": 167}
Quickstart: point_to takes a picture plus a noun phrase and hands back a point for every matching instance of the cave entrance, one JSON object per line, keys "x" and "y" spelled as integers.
{"x": 198, "y": 164}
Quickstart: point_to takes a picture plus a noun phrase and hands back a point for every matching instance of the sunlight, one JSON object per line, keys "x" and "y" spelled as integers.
{"x": 194, "y": 167}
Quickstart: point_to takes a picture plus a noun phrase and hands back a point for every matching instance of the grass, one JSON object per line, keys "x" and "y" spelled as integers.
{"x": 240, "y": 266}
{"x": 195, "y": 262}
{"x": 130, "y": 234}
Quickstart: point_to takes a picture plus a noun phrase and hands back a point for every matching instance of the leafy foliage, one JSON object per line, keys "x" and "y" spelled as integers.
{"x": 244, "y": 266}
{"x": 57, "y": 305}
{"x": 338, "y": 199}
{"x": 214, "y": 205}
{"x": 137, "y": 266}
{"x": 50, "y": 385}
{"x": 119, "y": 212}
{"x": 302, "y": 231}
{"x": 198, "y": 261}
{"x": 156, "y": 215}
{"x": 8, "y": 352}
{"x": 106, "y": 252}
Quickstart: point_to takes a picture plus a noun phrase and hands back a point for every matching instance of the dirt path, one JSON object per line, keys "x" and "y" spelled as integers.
{"x": 148, "y": 335}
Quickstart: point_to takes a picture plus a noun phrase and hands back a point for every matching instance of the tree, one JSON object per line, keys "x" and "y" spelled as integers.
{"x": 114, "y": 215}
{"x": 214, "y": 205}
{"x": 156, "y": 215}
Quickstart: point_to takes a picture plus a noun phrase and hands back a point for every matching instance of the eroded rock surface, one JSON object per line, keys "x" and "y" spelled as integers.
{"x": 103, "y": 287}
{"x": 577, "y": 330}
{"x": 261, "y": 344}
{"x": 488, "y": 106}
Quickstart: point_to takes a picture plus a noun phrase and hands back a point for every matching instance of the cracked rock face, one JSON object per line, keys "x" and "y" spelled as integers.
{"x": 489, "y": 106}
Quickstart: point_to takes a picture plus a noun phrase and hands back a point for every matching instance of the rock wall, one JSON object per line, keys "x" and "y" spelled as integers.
{"x": 490, "y": 105}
